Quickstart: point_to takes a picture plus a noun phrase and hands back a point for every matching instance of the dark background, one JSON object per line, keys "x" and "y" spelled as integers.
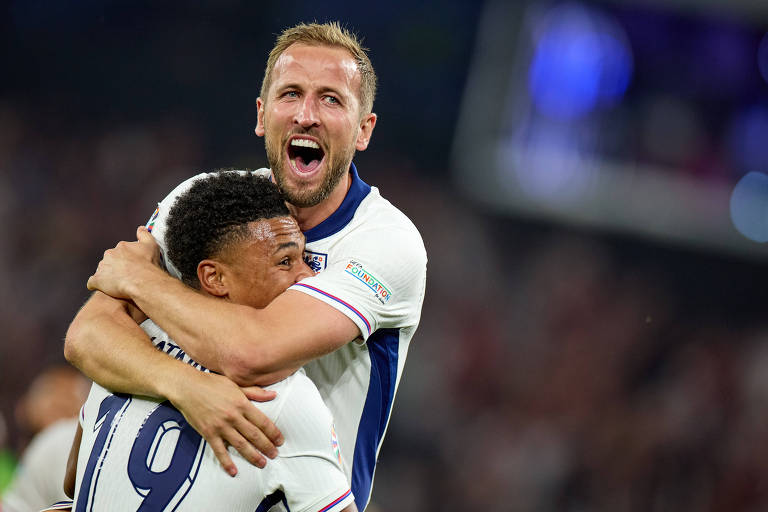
{"x": 561, "y": 364}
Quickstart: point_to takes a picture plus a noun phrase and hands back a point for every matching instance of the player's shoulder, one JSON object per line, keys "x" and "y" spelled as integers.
{"x": 303, "y": 416}
{"x": 380, "y": 228}
{"x": 61, "y": 431}
{"x": 298, "y": 390}
{"x": 382, "y": 212}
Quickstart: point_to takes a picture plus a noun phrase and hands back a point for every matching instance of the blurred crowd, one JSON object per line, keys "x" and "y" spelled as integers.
{"x": 560, "y": 371}
{"x": 572, "y": 380}
{"x": 554, "y": 370}
{"x": 66, "y": 195}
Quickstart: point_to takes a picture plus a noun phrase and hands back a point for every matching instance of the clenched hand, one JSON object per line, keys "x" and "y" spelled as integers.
{"x": 126, "y": 264}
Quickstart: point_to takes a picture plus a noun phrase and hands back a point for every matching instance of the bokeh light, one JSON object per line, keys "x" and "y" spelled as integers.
{"x": 549, "y": 161}
{"x": 748, "y": 133}
{"x": 581, "y": 60}
{"x": 749, "y": 206}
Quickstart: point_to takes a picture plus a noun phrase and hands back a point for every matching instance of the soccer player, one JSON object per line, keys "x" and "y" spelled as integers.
{"x": 349, "y": 326}
{"x": 231, "y": 237}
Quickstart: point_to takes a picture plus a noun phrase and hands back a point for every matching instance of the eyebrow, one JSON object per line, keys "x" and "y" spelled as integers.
{"x": 287, "y": 85}
{"x": 323, "y": 89}
{"x": 328, "y": 88}
{"x": 286, "y": 245}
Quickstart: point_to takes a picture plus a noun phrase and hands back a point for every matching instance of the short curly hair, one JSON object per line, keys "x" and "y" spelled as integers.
{"x": 214, "y": 213}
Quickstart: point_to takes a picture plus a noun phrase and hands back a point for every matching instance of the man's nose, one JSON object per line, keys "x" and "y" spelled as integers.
{"x": 308, "y": 113}
{"x": 304, "y": 271}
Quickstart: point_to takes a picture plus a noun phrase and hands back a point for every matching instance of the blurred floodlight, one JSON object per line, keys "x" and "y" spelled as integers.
{"x": 617, "y": 116}
{"x": 581, "y": 60}
{"x": 749, "y": 206}
{"x": 748, "y": 138}
{"x": 547, "y": 161}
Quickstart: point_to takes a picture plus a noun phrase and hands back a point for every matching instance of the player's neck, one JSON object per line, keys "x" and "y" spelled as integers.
{"x": 313, "y": 215}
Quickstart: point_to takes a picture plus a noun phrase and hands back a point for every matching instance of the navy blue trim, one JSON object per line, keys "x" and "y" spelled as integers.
{"x": 343, "y": 215}
{"x": 272, "y": 500}
{"x": 383, "y": 350}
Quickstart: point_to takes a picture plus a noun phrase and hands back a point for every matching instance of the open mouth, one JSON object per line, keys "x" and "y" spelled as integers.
{"x": 305, "y": 154}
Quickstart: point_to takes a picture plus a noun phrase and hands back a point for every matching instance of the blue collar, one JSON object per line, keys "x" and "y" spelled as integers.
{"x": 344, "y": 213}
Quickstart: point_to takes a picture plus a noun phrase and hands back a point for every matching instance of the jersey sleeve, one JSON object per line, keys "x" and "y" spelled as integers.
{"x": 308, "y": 468}
{"x": 377, "y": 279}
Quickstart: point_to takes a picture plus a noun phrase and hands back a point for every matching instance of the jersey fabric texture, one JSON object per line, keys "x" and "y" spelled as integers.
{"x": 371, "y": 266}
{"x": 140, "y": 454}
{"x": 40, "y": 475}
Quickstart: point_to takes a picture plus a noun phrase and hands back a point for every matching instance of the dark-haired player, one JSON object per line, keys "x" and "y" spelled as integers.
{"x": 230, "y": 236}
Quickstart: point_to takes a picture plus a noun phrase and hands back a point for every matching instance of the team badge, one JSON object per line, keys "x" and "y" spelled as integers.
{"x": 151, "y": 223}
{"x": 357, "y": 271}
{"x": 317, "y": 261}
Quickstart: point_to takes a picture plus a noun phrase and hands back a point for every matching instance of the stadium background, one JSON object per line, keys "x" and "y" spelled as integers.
{"x": 586, "y": 177}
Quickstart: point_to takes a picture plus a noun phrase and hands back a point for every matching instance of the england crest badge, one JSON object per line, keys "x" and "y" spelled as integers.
{"x": 317, "y": 261}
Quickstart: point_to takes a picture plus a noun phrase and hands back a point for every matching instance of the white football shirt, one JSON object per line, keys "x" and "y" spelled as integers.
{"x": 140, "y": 454}
{"x": 371, "y": 266}
{"x": 39, "y": 479}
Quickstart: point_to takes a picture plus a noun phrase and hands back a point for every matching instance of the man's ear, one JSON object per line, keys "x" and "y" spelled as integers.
{"x": 367, "y": 124}
{"x": 259, "y": 117}
{"x": 210, "y": 274}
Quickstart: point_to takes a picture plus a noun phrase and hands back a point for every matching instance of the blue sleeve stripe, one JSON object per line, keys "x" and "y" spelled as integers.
{"x": 326, "y": 294}
{"x": 336, "y": 501}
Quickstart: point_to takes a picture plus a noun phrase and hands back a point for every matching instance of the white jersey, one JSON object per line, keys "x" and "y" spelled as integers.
{"x": 371, "y": 265}
{"x": 140, "y": 454}
{"x": 39, "y": 479}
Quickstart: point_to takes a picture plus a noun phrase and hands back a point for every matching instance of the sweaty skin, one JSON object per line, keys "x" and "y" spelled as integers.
{"x": 260, "y": 269}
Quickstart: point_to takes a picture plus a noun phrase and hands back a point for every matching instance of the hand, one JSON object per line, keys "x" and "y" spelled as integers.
{"x": 223, "y": 414}
{"x": 126, "y": 261}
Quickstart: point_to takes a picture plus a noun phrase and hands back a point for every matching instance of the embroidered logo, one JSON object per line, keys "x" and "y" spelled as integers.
{"x": 335, "y": 444}
{"x": 317, "y": 261}
{"x": 152, "y": 219}
{"x": 356, "y": 270}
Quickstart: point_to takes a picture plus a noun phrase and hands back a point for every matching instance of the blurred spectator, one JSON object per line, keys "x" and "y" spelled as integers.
{"x": 48, "y": 411}
{"x": 56, "y": 394}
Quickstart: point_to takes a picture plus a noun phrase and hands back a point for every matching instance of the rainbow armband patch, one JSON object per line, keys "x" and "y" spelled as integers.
{"x": 357, "y": 271}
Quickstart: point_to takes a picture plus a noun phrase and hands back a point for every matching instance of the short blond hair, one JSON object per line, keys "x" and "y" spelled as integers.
{"x": 333, "y": 35}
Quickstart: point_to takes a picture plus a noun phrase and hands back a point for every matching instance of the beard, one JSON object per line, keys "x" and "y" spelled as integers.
{"x": 305, "y": 195}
